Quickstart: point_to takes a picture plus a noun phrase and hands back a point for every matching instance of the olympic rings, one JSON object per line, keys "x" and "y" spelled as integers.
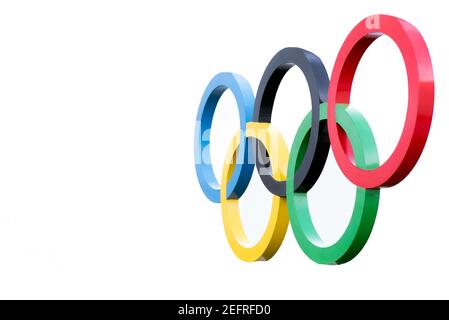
{"x": 331, "y": 122}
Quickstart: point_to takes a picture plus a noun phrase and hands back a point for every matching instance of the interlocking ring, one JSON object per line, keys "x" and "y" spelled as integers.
{"x": 331, "y": 122}
{"x": 318, "y": 81}
{"x": 243, "y": 171}
{"x": 420, "y": 99}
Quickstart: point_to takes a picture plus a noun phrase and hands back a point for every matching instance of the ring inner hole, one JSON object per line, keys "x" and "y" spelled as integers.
{"x": 380, "y": 92}
{"x": 255, "y": 209}
{"x": 225, "y": 124}
{"x": 331, "y": 200}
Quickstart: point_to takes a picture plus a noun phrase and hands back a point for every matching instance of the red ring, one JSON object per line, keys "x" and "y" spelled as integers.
{"x": 420, "y": 98}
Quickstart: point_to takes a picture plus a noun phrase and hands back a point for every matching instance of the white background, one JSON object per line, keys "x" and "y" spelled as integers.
{"x": 98, "y": 192}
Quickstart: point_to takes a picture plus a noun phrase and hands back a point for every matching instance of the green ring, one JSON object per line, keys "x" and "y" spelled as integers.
{"x": 366, "y": 203}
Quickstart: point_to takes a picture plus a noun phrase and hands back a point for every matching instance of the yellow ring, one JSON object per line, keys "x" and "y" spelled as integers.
{"x": 277, "y": 226}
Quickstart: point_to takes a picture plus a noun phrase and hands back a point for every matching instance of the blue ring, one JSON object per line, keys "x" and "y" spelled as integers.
{"x": 241, "y": 89}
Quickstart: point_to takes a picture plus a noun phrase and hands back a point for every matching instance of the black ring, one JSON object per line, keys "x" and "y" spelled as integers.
{"x": 318, "y": 147}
